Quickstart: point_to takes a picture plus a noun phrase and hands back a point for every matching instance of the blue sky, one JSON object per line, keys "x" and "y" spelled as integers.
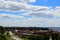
{"x": 48, "y": 2}
{"x": 26, "y": 13}
{"x": 52, "y": 3}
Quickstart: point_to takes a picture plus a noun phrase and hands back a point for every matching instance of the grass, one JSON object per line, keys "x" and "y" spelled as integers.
{"x": 24, "y": 39}
{"x": 8, "y": 37}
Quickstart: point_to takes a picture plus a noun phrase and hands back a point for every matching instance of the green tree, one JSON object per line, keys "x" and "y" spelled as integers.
{"x": 54, "y": 36}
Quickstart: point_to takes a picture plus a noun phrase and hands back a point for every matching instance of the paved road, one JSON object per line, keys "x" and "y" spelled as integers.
{"x": 13, "y": 36}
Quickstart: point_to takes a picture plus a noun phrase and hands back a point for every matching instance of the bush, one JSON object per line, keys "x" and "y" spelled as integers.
{"x": 54, "y": 36}
{"x": 2, "y": 37}
{"x": 37, "y": 37}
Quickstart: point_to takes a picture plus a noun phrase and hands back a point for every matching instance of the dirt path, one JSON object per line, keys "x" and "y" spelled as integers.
{"x": 14, "y": 36}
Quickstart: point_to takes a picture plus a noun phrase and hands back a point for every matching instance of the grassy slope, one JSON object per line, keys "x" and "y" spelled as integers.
{"x": 7, "y": 37}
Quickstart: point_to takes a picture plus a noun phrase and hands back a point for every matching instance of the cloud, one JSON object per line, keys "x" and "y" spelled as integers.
{"x": 10, "y": 16}
{"x": 22, "y": 0}
{"x": 31, "y": 22}
{"x": 44, "y": 12}
{"x": 40, "y": 15}
{"x": 13, "y": 5}
{"x": 23, "y": 6}
{"x": 32, "y": 1}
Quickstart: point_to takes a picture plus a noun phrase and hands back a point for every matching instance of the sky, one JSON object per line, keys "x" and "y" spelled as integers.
{"x": 30, "y": 13}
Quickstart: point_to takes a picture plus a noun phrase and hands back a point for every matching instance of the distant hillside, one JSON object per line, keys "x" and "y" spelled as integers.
{"x": 29, "y": 28}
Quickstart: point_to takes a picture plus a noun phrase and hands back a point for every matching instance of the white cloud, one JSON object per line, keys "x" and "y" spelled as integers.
{"x": 12, "y": 5}
{"x": 10, "y": 16}
{"x": 35, "y": 22}
{"x": 39, "y": 14}
{"x": 22, "y": 0}
{"x": 33, "y": 1}
{"x": 44, "y": 12}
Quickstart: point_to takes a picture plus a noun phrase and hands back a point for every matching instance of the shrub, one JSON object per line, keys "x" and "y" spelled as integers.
{"x": 54, "y": 36}
{"x": 37, "y": 37}
{"x": 2, "y": 37}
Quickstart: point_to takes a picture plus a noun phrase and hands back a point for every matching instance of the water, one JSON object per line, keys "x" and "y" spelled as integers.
{"x": 54, "y": 28}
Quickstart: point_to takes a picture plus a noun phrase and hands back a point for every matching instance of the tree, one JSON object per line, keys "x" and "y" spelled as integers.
{"x": 54, "y": 36}
{"x": 2, "y": 29}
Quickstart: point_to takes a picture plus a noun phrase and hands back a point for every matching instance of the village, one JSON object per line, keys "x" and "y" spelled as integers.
{"x": 32, "y": 33}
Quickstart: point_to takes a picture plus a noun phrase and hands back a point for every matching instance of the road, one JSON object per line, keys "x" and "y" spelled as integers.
{"x": 14, "y": 36}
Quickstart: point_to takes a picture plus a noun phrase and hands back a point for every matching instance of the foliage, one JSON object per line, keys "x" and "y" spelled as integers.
{"x": 36, "y": 37}
{"x": 2, "y": 37}
{"x": 54, "y": 36}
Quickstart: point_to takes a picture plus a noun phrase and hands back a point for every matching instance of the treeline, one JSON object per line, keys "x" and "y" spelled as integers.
{"x": 28, "y": 28}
